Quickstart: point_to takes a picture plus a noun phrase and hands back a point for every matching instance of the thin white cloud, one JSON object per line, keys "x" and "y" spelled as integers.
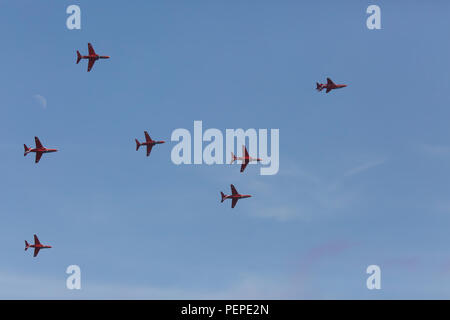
{"x": 435, "y": 150}
{"x": 364, "y": 167}
{"x": 281, "y": 213}
{"x": 41, "y": 100}
{"x": 20, "y": 286}
{"x": 308, "y": 196}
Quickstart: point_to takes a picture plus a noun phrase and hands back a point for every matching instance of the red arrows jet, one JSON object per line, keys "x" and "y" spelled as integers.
{"x": 37, "y": 246}
{"x": 92, "y": 57}
{"x": 148, "y": 142}
{"x": 40, "y": 149}
{"x": 329, "y": 86}
{"x": 235, "y": 196}
{"x": 245, "y": 159}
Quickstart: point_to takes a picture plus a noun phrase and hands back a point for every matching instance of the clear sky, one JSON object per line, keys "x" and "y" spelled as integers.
{"x": 364, "y": 171}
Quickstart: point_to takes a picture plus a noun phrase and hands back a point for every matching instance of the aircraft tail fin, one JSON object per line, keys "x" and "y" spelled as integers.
{"x": 27, "y": 245}
{"x": 78, "y": 56}
{"x": 26, "y": 150}
{"x": 233, "y": 158}
{"x": 318, "y": 86}
{"x": 138, "y": 144}
{"x": 223, "y": 196}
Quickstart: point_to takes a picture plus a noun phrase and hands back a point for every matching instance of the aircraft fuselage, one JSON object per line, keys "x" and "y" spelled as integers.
{"x": 151, "y": 143}
{"x": 45, "y": 150}
{"x": 40, "y": 246}
{"x": 237, "y": 196}
{"x": 336, "y": 86}
{"x": 95, "y": 57}
{"x": 247, "y": 159}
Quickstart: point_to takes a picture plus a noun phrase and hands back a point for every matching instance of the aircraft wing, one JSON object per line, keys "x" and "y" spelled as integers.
{"x": 38, "y": 157}
{"x": 243, "y": 166}
{"x": 36, "y": 240}
{"x": 245, "y": 152}
{"x": 38, "y": 143}
{"x": 147, "y": 136}
{"x": 233, "y": 202}
{"x": 91, "y": 49}
{"x": 36, "y": 251}
{"x": 149, "y": 149}
{"x": 90, "y": 64}
{"x": 330, "y": 82}
{"x": 328, "y": 90}
{"x": 233, "y": 190}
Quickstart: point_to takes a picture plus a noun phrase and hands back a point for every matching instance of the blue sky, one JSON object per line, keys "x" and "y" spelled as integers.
{"x": 363, "y": 171}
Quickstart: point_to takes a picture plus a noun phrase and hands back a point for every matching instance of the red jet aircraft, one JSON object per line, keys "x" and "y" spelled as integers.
{"x": 329, "y": 86}
{"x": 235, "y": 196}
{"x": 148, "y": 142}
{"x": 245, "y": 159}
{"x": 92, "y": 57}
{"x": 37, "y": 246}
{"x": 40, "y": 149}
